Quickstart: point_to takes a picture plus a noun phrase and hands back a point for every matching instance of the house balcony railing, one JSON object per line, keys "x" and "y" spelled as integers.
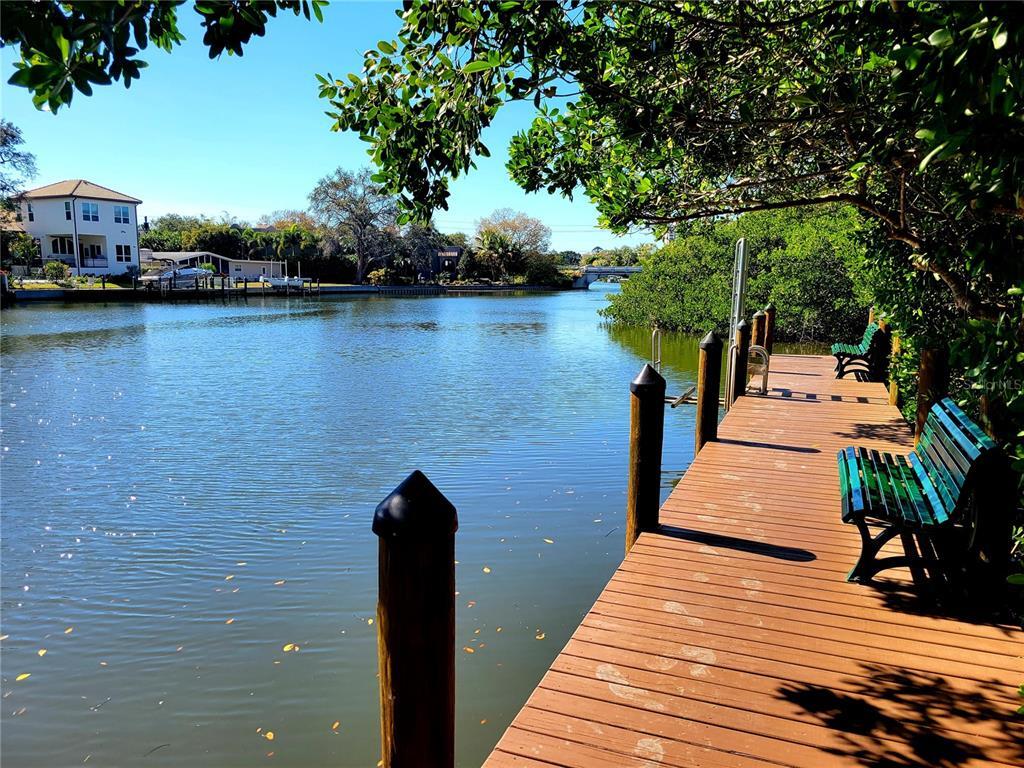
{"x": 94, "y": 261}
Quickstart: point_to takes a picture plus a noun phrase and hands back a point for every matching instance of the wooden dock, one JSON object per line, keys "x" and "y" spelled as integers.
{"x": 730, "y": 638}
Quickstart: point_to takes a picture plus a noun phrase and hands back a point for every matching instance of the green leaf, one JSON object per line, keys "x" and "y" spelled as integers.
{"x": 478, "y": 66}
{"x": 1016, "y": 579}
{"x": 928, "y": 158}
{"x": 941, "y": 38}
{"x": 386, "y": 47}
{"x": 999, "y": 38}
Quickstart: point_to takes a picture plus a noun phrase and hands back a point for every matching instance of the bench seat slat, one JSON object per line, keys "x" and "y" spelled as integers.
{"x": 939, "y": 512}
{"x": 936, "y": 465}
{"x": 956, "y": 462}
{"x": 983, "y": 441}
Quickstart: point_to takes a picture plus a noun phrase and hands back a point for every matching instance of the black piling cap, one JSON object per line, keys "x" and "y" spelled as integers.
{"x": 647, "y": 382}
{"x": 759, "y": 313}
{"x": 711, "y": 341}
{"x": 415, "y": 508}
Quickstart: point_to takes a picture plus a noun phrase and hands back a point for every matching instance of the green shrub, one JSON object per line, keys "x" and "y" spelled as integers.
{"x": 382, "y": 276}
{"x": 804, "y": 261}
{"x": 57, "y": 272}
{"x": 544, "y": 269}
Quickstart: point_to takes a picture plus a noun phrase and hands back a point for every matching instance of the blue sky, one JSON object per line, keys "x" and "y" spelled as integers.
{"x": 248, "y": 135}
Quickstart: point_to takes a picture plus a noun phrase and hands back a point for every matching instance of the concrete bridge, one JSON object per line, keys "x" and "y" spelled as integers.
{"x": 592, "y": 274}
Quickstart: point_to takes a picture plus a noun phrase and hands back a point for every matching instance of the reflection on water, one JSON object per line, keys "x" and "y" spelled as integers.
{"x": 187, "y": 492}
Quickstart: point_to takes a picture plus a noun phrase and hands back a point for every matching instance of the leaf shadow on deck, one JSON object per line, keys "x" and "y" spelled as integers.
{"x": 941, "y": 600}
{"x": 717, "y": 540}
{"x": 927, "y": 721}
{"x": 897, "y": 431}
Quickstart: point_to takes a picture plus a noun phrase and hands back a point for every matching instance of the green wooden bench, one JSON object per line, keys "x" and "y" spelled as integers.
{"x": 868, "y": 358}
{"x": 951, "y": 498}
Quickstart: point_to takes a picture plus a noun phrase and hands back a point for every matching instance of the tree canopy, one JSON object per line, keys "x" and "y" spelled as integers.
{"x": 528, "y": 234}
{"x": 69, "y": 46}
{"x": 907, "y": 111}
{"x": 353, "y": 206}
{"x": 17, "y": 165}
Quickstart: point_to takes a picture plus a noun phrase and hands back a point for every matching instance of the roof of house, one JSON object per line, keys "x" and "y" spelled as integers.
{"x": 79, "y": 188}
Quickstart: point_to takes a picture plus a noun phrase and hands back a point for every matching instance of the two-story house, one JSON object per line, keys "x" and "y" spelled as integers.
{"x": 91, "y": 228}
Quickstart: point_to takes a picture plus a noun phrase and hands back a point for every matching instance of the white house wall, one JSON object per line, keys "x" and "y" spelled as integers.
{"x": 48, "y": 221}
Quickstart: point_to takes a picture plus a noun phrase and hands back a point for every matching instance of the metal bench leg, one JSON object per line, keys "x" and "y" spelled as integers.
{"x": 915, "y": 559}
{"x": 867, "y": 565}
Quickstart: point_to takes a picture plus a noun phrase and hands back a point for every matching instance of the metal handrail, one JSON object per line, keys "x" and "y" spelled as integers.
{"x": 656, "y": 348}
{"x": 760, "y": 351}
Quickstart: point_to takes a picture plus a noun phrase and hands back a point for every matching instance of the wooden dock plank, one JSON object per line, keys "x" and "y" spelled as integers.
{"x": 731, "y": 638}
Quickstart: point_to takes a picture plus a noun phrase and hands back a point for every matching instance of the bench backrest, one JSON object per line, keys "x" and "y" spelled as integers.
{"x": 950, "y": 449}
{"x": 869, "y": 332}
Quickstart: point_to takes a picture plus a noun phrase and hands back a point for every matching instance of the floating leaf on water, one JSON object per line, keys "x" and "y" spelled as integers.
{"x": 467, "y": 649}
{"x": 484, "y": 721}
{"x": 4, "y": 637}
{"x": 103, "y": 663}
{"x": 549, "y": 541}
{"x": 242, "y": 563}
{"x": 289, "y": 647}
{"x": 369, "y": 621}
{"x": 179, "y": 649}
{"x": 498, "y": 629}
{"x": 487, "y": 569}
{"x": 230, "y": 621}
{"x": 540, "y": 635}
{"x": 229, "y": 577}
{"x": 279, "y": 583}
{"x": 69, "y": 630}
{"x": 335, "y": 725}
{"x": 23, "y": 676}
{"x": 41, "y": 652}
{"x": 269, "y": 735}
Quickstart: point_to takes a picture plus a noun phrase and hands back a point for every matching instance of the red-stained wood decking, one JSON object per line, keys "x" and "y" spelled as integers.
{"x": 730, "y": 638}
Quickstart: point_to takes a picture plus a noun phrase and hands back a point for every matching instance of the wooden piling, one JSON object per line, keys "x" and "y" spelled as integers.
{"x": 757, "y": 329}
{"x": 871, "y": 315}
{"x": 894, "y": 351}
{"x": 932, "y": 383}
{"x": 739, "y": 368}
{"x": 709, "y": 382}
{"x": 646, "y": 433}
{"x": 769, "y": 327}
{"x": 416, "y": 528}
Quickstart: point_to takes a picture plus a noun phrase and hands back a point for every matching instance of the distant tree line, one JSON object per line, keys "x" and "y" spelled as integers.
{"x": 351, "y": 233}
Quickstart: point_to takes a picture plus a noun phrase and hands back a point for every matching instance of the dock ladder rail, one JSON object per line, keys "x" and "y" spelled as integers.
{"x": 762, "y": 367}
{"x": 689, "y": 397}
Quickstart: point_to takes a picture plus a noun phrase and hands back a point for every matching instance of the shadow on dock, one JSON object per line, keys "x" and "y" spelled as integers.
{"x": 717, "y": 540}
{"x": 930, "y": 720}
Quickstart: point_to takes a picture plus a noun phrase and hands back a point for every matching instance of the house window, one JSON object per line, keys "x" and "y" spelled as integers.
{"x": 121, "y": 214}
{"x": 90, "y": 212}
{"x": 62, "y": 246}
{"x": 123, "y": 253}
{"x": 31, "y": 215}
{"x": 67, "y": 210}
{"x": 92, "y": 251}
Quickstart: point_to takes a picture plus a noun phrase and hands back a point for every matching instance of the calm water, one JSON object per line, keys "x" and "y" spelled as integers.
{"x": 187, "y": 489}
